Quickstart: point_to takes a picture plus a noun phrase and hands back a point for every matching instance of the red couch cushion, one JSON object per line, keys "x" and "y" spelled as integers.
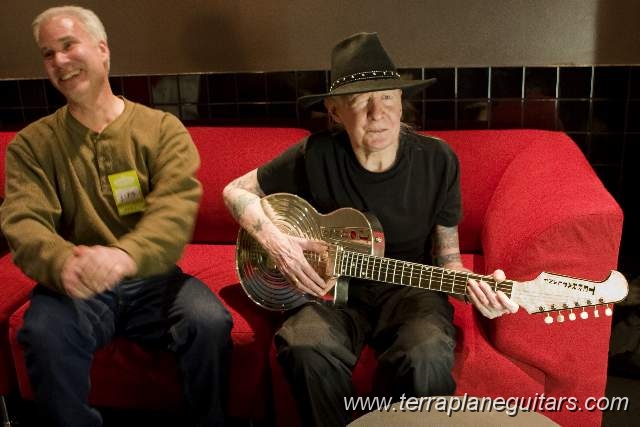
{"x": 14, "y": 290}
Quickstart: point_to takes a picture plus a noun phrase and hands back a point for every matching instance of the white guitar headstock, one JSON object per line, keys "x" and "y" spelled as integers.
{"x": 568, "y": 295}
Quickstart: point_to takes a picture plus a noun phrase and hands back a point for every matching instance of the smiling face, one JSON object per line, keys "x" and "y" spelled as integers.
{"x": 371, "y": 119}
{"x": 75, "y": 61}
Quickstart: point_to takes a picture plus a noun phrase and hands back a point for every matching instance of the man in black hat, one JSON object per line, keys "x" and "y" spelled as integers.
{"x": 374, "y": 163}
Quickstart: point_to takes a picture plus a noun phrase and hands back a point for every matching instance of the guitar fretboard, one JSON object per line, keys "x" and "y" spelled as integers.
{"x": 387, "y": 270}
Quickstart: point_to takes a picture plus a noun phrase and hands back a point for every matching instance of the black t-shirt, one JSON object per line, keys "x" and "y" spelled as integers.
{"x": 420, "y": 190}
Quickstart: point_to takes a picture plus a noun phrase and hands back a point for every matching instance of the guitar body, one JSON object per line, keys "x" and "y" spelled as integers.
{"x": 346, "y": 227}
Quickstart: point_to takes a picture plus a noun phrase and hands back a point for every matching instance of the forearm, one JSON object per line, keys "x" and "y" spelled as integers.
{"x": 446, "y": 248}
{"x": 37, "y": 251}
{"x": 242, "y": 198}
{"x": 30, "y": 216}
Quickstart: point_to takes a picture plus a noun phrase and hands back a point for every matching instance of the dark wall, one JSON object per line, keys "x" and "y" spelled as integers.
{"x": 171, "y": 36}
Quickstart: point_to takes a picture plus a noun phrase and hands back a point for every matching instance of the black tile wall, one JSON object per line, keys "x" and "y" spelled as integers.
{"x": 472, "y": 83}
{"x": 506, "y": 82}
{"x": 445, "y": 86}
{"x": 540, "y": 82}
{"x": 574, "y": 82}
{"x": 598, "y": 106}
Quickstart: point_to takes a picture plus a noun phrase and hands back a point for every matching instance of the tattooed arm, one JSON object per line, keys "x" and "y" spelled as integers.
{"x": 242, "y": 197}
{"x": 446, "y": 248}
{"x": 446, "y": 253}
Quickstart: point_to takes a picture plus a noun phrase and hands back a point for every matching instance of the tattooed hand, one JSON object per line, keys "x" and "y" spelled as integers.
{"x": 242, "y": 198}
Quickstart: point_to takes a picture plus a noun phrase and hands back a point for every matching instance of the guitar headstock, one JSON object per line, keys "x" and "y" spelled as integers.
{"x": 556, "y": 293}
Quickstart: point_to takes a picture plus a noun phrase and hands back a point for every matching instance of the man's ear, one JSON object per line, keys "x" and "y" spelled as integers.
{"x": 104, "y": 48}
{"x": 331, "y": 107}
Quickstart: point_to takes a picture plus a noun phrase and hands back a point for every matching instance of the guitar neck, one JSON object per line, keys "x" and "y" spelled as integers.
{"x": 392, "y": 271}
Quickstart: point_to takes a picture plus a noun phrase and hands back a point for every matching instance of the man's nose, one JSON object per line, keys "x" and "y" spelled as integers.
{"x": 375, "y": 108}
{"x": 60, "y": 58}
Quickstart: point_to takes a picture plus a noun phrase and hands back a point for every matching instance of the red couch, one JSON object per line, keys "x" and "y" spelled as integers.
{"x": 531, "y": 203}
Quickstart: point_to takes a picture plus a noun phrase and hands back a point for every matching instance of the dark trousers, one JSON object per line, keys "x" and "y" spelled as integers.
{"x": 410, "y": 329}
{"x": 173, "y": 311}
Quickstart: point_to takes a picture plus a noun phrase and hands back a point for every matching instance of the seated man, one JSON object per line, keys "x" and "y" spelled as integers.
{"x": 101, "y": 199}
{"x": 372, "y": 162}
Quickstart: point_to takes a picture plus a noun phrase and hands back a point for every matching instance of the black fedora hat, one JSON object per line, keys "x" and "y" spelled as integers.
{"x": 359, "y": 64}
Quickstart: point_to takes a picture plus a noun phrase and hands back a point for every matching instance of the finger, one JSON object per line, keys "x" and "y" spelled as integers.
{"x": 478, "y": 305}
{"x": 490, "y": 295}
{"x": 76, "y": 289}
{"x": 80, "y": 250}
{"x": 93, "y": 277}
{"x": 304, "y": 286}
{"x": 114, "y": 276}
{"x": 499, "y": 276}
{"x": 507, "y": 303}
{"x": 318, "y": 246}
{"x": 474, "y": 292}
{"x": 310, "y": 286}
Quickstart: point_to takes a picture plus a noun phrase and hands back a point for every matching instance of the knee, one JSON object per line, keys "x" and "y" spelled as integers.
{"x": 432, "y": 354}
{"x": 209, "y": 322}
{"x": 46, "y": 329}
{"x": 431, "y": 348}
{"x": 307, "y": 361}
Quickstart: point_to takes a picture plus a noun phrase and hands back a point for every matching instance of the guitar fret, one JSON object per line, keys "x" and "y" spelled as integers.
{"x": 393, "y": 278}
{"x": 466, "y": 280}
{"x": 441, "y": 278}
{"x": 453, "y": 281}
{"x": 420, "y": 277}
{"x": 430, "y": 276}
{"x": 386, "y": 271}
{"x": 402, "y": 274}
{"x": 411, "y": 276}
{"x": 354, "y": 264}
{"x": 366, "y": 267}
{"x": 379, "y": 269}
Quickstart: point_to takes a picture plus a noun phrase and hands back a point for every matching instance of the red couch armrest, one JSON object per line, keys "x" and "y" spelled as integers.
{"x": 4, "y": 247}
{"x": 550, "y": 212}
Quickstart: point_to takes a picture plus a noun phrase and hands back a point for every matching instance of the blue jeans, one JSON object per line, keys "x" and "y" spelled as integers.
{"x": 172, "y": 311}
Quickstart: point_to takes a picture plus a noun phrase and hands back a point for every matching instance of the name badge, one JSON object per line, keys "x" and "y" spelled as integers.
{"x": 127, "y": 193}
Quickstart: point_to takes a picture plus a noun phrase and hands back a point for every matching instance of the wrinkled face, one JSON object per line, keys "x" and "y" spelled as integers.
{"x": 371, "y": 119}
{"x": 76, "y": 63}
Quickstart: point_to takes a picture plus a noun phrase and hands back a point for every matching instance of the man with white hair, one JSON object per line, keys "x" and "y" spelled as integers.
{"x": 101, "y": 199}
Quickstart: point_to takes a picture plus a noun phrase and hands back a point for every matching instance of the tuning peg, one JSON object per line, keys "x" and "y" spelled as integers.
{"x": 548, "y": 319}
{"x": 584, "y": 315}
{"x": 560, "y": 317}
{"x": 572, "y": 315}
{"x": 608, "y": 311}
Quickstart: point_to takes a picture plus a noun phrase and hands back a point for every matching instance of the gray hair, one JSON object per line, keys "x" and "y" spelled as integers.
{"x": 88, "y": 18}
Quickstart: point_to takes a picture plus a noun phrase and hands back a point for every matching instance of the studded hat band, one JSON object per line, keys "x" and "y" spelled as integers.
{"x": 367, "y": 75}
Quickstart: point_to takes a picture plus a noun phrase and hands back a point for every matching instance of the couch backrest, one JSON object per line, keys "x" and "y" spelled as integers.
{"x": 484, "y": 156}
{"x": 227, "y": 153}
{"x": 5, "y": 138}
